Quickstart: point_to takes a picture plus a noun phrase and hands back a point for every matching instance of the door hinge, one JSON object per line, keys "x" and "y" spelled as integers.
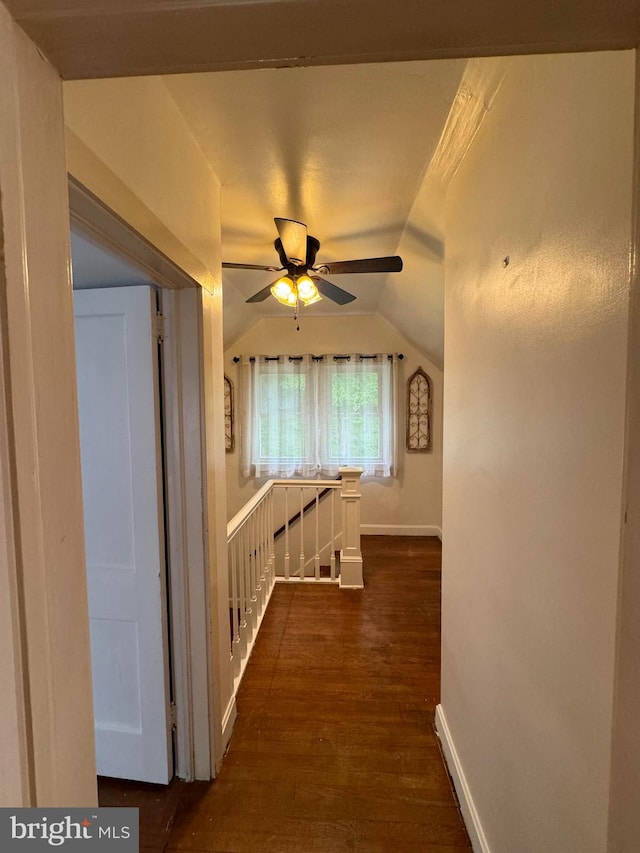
{"x": 173, "y": 715}
{"x": 158, "y": 327}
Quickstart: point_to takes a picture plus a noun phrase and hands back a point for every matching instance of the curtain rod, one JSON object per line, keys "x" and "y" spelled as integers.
{"x": 237, "y": 358}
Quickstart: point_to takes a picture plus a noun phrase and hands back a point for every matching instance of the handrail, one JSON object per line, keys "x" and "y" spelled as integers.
{"x": 325, "y": 484}
{"x": 236, "y": 522}
{"x": 325, "y": 491}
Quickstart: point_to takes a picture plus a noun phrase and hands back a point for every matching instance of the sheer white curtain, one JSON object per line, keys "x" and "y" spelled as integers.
{"x": 355, "y": 393}
{"x": 308, "y": 415}
{"x": 278, "y": 416}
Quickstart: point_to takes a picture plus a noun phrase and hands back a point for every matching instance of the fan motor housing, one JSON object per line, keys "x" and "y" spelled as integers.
{"x": 312, "y": 250}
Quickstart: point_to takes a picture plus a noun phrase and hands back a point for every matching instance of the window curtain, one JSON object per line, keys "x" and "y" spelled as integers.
{"x": 278, "y": 417}
{"x": 356, "y": 395}
{"x": 308, "y": 415}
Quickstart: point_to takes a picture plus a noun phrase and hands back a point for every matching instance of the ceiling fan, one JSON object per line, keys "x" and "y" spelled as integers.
{"x": 303, "y": 280}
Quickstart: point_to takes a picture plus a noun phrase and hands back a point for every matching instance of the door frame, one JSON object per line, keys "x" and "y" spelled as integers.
{"x": 181, "y": 336}
{"x": 14, "y": 730}
{"x": 188, "y": 588}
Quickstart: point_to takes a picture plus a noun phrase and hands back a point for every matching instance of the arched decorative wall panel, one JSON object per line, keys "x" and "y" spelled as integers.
{"x": 228, "y": 415}
{"x": 419, "y": 412}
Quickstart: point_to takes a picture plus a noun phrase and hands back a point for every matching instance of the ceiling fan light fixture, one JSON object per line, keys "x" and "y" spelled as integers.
{"x": 297, "y": 251}
{"x": 311, "y": 300}
{"x": 284, "y": 291}
{"x": 307, "y": 290}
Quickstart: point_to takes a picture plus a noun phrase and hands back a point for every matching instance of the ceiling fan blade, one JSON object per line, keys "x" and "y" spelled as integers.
{"x": 294, "y": 239}
{"x": 332, "y": 291}
{"x": 250, "y": 267}
{"x": 261, "y": 295}
{"x": 388, "y": 264}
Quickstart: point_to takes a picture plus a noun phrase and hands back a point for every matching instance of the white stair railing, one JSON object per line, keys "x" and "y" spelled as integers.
{"x": 351, "y": 553}
{"x": 256, "y": 562}
{"x": 308, "y": 535}
{"x": 250, "y": 549}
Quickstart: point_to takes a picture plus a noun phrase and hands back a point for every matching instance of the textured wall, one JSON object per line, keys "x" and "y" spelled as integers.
{"x": 128, "y": 143}
{"x": 51, "y": 677}
{"x": 534, "y": 426}
{"x": 624, "y": 816}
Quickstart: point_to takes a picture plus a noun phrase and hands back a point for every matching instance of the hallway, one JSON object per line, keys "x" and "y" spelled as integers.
{"x": 334, "y": 747}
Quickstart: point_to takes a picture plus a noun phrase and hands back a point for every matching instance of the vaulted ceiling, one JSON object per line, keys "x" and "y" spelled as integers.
{"x": 350, "y": 149}
{"x": 344, "y": 149}
{"x": 361, "y": 153}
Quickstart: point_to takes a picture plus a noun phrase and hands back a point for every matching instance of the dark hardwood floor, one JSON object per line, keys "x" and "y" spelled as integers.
{"x": 334, "y": 747}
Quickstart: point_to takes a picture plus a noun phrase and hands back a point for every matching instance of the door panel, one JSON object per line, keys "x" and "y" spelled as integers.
{"x": 117, "y": 366}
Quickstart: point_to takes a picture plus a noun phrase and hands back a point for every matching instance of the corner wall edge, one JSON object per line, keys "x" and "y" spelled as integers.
{"x": 456, "y": 771}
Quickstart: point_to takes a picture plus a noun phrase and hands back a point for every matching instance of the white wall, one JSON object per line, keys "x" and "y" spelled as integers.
{"x": 14, "y": 773}
{"x": 128, "y": 143}
{"x": 46, "y": 723}
{"x": 534, "y": 427}
{"x": 409, "y": 503}
{"x": 624, "y": 814}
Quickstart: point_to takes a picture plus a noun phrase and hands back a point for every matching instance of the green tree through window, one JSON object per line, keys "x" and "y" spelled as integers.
{"x": 355, "y": 420}
{"x": 282, "y": 433}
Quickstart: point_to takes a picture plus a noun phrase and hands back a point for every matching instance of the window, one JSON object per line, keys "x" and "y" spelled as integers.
{"x": 282, "y": 399}
{"x": 307, "y": 415}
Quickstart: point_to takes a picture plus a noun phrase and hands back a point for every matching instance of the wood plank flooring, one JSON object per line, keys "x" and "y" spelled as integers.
{"x": 334, "y": 747}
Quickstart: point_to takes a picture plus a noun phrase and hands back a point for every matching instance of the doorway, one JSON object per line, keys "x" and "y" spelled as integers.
{"x": 137, "y": 344}
{"x": 124, "y": 516}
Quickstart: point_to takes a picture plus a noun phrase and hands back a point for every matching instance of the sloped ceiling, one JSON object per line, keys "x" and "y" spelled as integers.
{"x": 363, "y": 154}
{"x": 345, "y": 150}
{"x": 414, "y": 301}
{"x": 112, "y": 38}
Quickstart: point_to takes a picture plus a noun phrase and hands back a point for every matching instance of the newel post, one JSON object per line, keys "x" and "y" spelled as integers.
{"x": 351, "y": 553}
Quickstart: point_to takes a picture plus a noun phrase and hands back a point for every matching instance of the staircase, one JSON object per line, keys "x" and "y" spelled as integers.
{"x": 283, "y": 534}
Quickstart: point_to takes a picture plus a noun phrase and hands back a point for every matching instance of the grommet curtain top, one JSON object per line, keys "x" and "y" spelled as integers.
{"x": 389, "y": 356}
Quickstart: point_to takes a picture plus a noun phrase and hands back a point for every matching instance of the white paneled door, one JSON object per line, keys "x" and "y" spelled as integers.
{"x": 118, "y": 394}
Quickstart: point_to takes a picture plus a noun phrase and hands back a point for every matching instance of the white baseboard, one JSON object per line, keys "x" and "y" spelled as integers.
{"x": 456, "y": 771}
{"x": 228, "y": 722}
{"x": 400, "y": 530}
